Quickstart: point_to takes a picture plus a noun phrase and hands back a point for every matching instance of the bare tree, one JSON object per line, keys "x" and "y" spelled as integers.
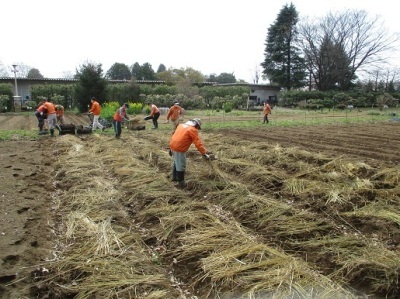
{"x": 67, "y": 75}
{"x": 3, "y": 70}
{"x": 256, "y": 75}
{"x": 23, "y": 70}
{"x": 386, "y": 80}
{"x": 341, "y": 44}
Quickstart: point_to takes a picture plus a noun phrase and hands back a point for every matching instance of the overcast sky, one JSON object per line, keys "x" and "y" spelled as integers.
{"x": 211, "y": 36}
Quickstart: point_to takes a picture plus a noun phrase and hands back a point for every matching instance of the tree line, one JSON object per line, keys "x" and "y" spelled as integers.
{"x": 121, "y": 71}
{"x": 91, "y": 82}
{"x": 329, "y": 53}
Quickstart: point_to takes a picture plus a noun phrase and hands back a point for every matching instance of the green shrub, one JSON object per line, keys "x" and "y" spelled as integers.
{"x": 227, "y": 107}
{"x": 4, "y": 99}
{"x": 135, "y": 108}
{"x": 108, "y": 110}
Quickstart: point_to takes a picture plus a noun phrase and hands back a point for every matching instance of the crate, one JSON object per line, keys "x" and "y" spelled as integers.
{"x": 83, "y": 130}
{"x": 67, "y": 129}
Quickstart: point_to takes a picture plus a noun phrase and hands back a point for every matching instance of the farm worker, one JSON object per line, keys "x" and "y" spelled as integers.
{"x": 266, "y": 111}
{"x": 51, "y": 117}
{"x": 119, "y": 117}
{"x": 60, "y": 114}
{"x": 154, "y": 115}
{"x": 41, "y": 115}
{"x": 175, "y": 113}
{"x": 184, "y": 135}
{"x": 95, "y": 109}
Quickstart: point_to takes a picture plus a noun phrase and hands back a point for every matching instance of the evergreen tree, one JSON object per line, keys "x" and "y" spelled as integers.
{"x": 161, "y": 68}
{"x": 119, "y": 71}
{"x": 283, "y": 64}
{"x": 34, "y": 74}
{"x": 136, "y": 71}
{"x": 148, "y": 72}
{"x": 143, "y": 72}
{"x": 91, "y": 83}
{"x": 222, "y": 78}
{"x": 226, "y": 78}
{"x": 212, "y": 78}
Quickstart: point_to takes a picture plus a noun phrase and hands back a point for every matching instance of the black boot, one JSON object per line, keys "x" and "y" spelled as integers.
{"x": 52, "y": 132}
{"x": 181, "y": 179}
{"x": 174, "y": 174}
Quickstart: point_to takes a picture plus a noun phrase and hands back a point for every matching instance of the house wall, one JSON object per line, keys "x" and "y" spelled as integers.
{"x": 260, "y": 94}
{"x": 24, "y": 85}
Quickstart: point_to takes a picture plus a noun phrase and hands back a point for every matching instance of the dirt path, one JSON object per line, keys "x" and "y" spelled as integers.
{"x": 11, "y": 121}
{"x": 25, "y": 225}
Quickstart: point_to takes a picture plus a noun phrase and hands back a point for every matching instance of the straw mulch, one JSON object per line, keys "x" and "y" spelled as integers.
{"x": 260, "y": 221}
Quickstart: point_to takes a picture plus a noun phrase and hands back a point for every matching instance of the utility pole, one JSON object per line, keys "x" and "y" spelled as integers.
{"x": 16, "y": 97}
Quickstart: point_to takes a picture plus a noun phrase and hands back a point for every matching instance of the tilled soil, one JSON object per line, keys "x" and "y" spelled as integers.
{"x": 26, "y": 221}
{"x": 375, "y": 143}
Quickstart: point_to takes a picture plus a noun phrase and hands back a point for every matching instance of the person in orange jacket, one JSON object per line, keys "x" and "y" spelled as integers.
{"x": 60, "y": 114}
{"x": 51, "y": 117}
{"x": 119, "y": 117}
{"x": 266, "y": 111}
{"x": 154, "y": 115}
{"x": 41, "y": 115}
{"x": 184, "y": 135}
{"x": 95, "y": 109}
{"x": 175, "y": 113}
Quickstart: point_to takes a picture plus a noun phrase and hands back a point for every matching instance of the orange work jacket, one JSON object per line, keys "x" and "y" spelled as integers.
{"x": 95, "y": 109}
{"x": 183, "y": 137}
{"x": 120, "y": 114}
{"x": 174, "y": 112}
{"x": 49, "y": 107}
{"x": 267, "y": 109}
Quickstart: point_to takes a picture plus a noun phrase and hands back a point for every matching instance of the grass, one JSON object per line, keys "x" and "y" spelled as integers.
{"x": 281, "y": 117}
{"x": 19, "y": 135}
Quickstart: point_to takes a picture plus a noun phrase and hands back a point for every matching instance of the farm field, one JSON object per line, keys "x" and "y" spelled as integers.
{"x": 282, "y": 212}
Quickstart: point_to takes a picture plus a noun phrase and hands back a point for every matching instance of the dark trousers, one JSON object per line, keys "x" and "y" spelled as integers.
{"x": 155, "y": 119}
{"x": 117, "y": 128}
{"x": 265, "y": 119}
{"x": 40, "y": 119}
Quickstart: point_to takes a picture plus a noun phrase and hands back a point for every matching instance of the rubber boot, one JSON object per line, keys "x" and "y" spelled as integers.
{"x": 174, "y": 174}
{"x": 52, "y": 132}
{"x": 59, "y": 129}
{"x": 41, "y": 125}
{"x": 181, "y": 180}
